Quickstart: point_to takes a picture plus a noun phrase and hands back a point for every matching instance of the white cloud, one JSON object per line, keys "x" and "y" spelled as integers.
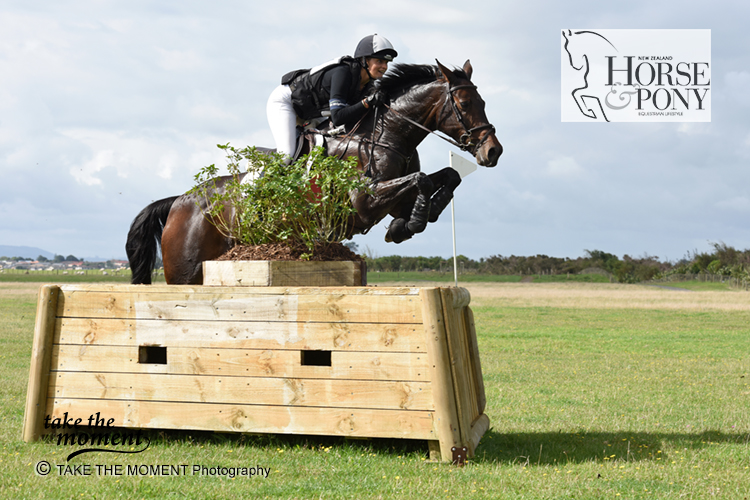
{"x": 180, "y": 60}
{"x": 564, "y": 167}
{"x": 736, "y": 204}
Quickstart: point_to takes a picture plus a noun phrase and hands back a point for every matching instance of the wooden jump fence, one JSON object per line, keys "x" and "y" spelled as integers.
{"x": 343, "y": 361}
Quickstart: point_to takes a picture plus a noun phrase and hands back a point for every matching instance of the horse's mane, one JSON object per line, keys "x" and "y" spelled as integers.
{"x": 402, "y": 77}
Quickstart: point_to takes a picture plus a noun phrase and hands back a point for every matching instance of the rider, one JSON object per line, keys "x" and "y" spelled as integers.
{"x": 334, "y": 89}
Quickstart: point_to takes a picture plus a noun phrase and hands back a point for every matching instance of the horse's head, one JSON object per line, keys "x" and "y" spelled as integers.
{"x": 463, "y": 117}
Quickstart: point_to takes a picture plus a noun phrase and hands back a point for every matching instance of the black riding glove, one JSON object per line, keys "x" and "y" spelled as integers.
{"x": 377, "y": 99}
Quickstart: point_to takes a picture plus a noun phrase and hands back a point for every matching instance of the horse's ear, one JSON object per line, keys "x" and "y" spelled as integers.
{"x": 468, "y": 69}
{"x": 445, "y": 75}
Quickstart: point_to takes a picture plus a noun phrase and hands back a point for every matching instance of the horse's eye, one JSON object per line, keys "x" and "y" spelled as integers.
{"x": 464, "y": 104}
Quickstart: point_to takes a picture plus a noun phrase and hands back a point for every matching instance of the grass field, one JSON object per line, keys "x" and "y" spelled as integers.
{"x": 595, "y": 390}
{"x": 438, "y": 277}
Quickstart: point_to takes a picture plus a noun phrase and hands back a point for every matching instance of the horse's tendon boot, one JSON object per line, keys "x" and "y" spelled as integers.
{"x": 439, "y": 202}
{"x": 398, "y": 232}
{"x": 419, "y": 214}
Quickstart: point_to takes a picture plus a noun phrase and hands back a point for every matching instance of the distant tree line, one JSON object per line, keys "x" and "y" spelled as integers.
{"x": 42, "y": 258}
{"x": 723, "y": 260}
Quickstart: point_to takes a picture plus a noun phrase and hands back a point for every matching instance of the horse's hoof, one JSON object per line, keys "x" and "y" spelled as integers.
{"x": 398, "y": 232}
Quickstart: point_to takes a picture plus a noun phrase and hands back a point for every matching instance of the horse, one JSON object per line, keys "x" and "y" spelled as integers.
{"x": 423, "y": 99}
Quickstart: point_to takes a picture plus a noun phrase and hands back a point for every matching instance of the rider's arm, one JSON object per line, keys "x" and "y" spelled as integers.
{"x": 342, "y": 112}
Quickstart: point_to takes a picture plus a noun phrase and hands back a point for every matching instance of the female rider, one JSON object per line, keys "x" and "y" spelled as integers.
{"x": 334, "y": 89}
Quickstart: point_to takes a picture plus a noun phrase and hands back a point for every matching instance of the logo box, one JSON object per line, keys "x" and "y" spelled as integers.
{"x": 636, "y": 75}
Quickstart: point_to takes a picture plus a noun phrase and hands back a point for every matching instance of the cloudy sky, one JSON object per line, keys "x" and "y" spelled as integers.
{"x": 106, "y": 106}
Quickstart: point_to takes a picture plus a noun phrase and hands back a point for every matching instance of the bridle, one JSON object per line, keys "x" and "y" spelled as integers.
{"x": 465, "y": 140}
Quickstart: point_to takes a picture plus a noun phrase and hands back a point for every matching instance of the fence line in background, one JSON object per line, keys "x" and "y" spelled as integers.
{"x": 742, "y": 284}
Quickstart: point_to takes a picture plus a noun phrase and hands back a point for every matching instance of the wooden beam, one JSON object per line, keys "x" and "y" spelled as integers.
{"x": 328, "y": 393}
{"x": 459, "y": 361}
{"x": 476, "y": 364}
{"x": 41, "y": 356}
{"x": 478, "y": 428}
{"x": 244, "y": 363}
{"x": 405, "y": 424}
{"x": 375, "y": 337}
{"x": 446, "y": 418}
{"x": 228, "y": 306}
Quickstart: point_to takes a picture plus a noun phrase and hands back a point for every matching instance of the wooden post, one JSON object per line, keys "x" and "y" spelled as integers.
{"x": 41, "y": 355}
{"x": 446, "y": 418}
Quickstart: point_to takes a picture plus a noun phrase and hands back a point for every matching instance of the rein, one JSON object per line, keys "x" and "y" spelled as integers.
{"x": 464, "y": 143}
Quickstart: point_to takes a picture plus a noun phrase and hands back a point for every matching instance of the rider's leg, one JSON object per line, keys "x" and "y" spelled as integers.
{"x": 282, "y": 119}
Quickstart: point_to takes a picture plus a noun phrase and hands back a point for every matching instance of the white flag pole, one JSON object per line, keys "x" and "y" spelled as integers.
{"x": 455, "y": 259}
{"x": 464, "y": 167}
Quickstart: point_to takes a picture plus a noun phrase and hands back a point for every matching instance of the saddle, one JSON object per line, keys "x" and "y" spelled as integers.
{"x": 310, "y": 135}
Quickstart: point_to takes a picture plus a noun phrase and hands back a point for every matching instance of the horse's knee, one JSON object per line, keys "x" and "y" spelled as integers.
{"x": 444, "y": 195}
{"x": 424, "y": 184}
{"x": 453, "y": 178}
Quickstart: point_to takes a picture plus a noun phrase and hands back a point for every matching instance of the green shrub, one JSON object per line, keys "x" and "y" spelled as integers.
{"x": 308, "y": 201}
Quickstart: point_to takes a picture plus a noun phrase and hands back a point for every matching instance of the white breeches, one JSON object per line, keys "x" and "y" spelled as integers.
{"x": 282, "y": 119}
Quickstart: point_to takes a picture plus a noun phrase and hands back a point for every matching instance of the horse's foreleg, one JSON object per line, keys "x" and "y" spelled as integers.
{"x": 401, "y": 228}
{"x": 448, "y": 180}
{"x": 406, "y": 198}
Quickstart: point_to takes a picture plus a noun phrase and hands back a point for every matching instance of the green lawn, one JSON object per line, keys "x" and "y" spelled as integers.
{"x": 89, "y": 276}
{"x": 448, "y": 278}
{"x": 699, "y": 286}
{"x": 585, "y": 403}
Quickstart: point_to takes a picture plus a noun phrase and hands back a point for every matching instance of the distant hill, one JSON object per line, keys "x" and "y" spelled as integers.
{"x": 26, "y": 252}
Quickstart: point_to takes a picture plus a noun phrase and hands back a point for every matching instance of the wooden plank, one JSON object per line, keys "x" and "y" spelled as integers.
{"x": 478, "y": 428}
{"x": 41, "y": 357}
{"x": 376, "y": 337}
{"x": 283, "y": 273}
{"x": 200, "y": 290}
{"x": 242, "y": 390}
{"x": 244, "y": 363}
{"x": 434, "y": 450}
{"x": 460, "y": 367}
{"x": 476, "y": 365}
{"x": 404, "y": 424}
{"x": 223, "y": 306}
{"x": 446, "y": 418}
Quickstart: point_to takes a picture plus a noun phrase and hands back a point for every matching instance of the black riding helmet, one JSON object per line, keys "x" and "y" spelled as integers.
{"x": 375, "y": 46}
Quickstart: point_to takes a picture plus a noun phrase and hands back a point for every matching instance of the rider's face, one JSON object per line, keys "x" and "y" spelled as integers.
{"x": 377, "y": 67}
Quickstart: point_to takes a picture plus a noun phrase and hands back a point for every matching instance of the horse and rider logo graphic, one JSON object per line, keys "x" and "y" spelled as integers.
{"x": 635, "y": 75}
{"x": 591, "y": 105}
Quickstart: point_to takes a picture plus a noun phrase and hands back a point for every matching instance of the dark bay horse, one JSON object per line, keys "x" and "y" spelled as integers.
{"x": 423, "y": 99}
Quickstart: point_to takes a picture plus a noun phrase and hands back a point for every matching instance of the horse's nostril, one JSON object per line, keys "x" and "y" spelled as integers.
{"x": 495, "y": 152}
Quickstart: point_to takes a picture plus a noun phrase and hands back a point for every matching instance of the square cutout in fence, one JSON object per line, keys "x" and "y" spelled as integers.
{"x": 315, "y": 358}
{"x": 152, "y": 354}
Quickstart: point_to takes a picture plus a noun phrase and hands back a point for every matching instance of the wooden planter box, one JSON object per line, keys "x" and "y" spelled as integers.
{"x": 342, "y": 361}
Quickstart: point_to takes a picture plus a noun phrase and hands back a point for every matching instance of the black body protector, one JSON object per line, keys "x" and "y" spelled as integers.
{"x": 310, "y": 98}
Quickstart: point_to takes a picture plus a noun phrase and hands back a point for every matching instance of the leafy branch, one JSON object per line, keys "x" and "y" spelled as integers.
{"x": 308, "y": 201}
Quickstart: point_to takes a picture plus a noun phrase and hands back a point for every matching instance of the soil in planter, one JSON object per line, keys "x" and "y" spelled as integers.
{"x": 290, "y": 251}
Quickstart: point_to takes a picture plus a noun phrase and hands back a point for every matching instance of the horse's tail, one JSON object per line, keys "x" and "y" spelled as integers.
{"x": 144, "y": 239}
